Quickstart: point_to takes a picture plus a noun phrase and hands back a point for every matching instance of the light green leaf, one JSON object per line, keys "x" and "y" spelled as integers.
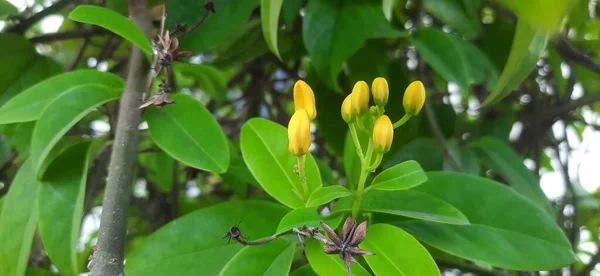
{"x": 60, "y": 206}
{"x": 28, "y": 105}
{"x": 198, "y": 236}
{"x": 528, "y": 45}
{"x": 304, "y": 270}
{"x": 62, "y": 113}
{"x": 501, "y": 158}
{"x": 271, "y": 259}
{"x": 326, "y": 194}
{"x": 59, "y": 148}
{"x": 265, "y": 149}
{"x": 333, "y": 30}
{"x": 306, "y": 217}
{"x": 188, "y": 132}
{"x": 38, "y": 69}
{"x": 329, "y": 265}
{"x": 388, "y": 8}
{"x": 210, "y": 79}
{"x": 540, "y": 14}
{"x": 112, "y": 21}
{"x": 506, "y": 230}
{"x": 399, "y": 177}
{"x": 7, "y": 9}
{"x": 407, "y": 203}
{"x": 269, "y": 14}
{"x": 455, "y": 14}
{"x": 404, "y": 256}
{"x": 18, "y": 221}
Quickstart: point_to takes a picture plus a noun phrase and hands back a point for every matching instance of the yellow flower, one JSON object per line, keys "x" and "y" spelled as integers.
{"x": 347, "y": 113}
{"x": 304, "y": 98}
{"x": 380, "y": 91}
{"x": 383, "y": 134}
{"x": 414, "y": 98}
{"x": 360, "y": 97}
{"x": 299, "y": 133}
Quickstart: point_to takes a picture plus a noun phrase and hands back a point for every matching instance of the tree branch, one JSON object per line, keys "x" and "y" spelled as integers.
{"x": 109, "y": 256}
{"x": 587, "y": 269}
{"x": 569, "y": 52}
{"x": 572, "y": 105}
{"x": 22, "y": 26}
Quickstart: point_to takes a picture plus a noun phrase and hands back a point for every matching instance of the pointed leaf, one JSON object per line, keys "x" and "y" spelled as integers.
{"x": 455, "y": 14}
{"x": 397, "y": 253}
{"x": 329, "y": 265}
{"x": 326, "y": 194}
{"x": 399, "y": 177}
{"x": 64, "y": 112}
{"x": 305, "y": 270}
{"x": 271, "y": 259}
{"x": 189, "y": 133}
{"x": 269, "y": 14}
{"x": 306, "y": 217}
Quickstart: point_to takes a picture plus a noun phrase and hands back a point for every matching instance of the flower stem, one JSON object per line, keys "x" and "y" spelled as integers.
{"x": 403, "y": 120}
{"x": 302, "y": 174}
{"x": 356, "y": 142}
{"x": 362, "y": 179}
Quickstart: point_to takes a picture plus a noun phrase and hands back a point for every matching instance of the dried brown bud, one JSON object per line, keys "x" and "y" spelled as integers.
{"x": 210, "y": 6}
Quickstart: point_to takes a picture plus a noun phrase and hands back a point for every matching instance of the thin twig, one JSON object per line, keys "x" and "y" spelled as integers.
{"x": 572, "y": 105}
{"x": 22, "y": 26}
{"x": 82, "y": 48}
{"x": 567, "y": 51}
{"x": 439, "y": 136}
{"x": 304, "y": 231}
{"x": 208, "y": 8}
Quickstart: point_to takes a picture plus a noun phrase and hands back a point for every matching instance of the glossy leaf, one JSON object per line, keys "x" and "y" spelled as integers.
{"x": 528, "y": 45}
{"x": 29, "y": 104}
{"x": 265, "y": 150}
{"x": 112, "y": 21}
{"x": 455, "y": 14}
{"x": 271, "y": 259}
{"x": 210, "y": 79}
{"x": 307, "y": 217}
{"x": 269, "y": 14}
{"x": 326, "y": 194}
{"x": 62, "y": 113}
{"x": 334, "y": 30}
{"x": 188, "y": 132}
{"x": 506, "y": 229}
{"x": 18, "y": 221}
{"x": 407, "y": 203}
{"x": 329, "y": 265}
{"x": 60, "y": 205}
{"x": 198, "y": 239}
{"x": 399, "y": 177}
{"x": 501, "y": 158}
{"x": 404, "y": 256}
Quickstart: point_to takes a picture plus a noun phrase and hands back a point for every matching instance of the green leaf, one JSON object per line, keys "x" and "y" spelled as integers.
{"x": 329, "y": 265}
{"x": 455, "y": 14}
{"x": 525, "y": 52}
{"x": 28, "y": 105}
{"x": 188, "y": 132}
{"x": 540, "y": 14}
{"x": 64, "y": 112}
{"x": 60, "y": 206}
{"x": 265, "y": 149}
{"x": 21, "y": 139}
{"x": 304, "y": 270}
{"x": 18, "y": 221}
{"x": 112, "y": 21}
{"x": 455, "y": 59}
{"x": 198, "y": 239}
{"x": 269, "y": 14}
{"x": 465, "y": 158}
{"x": 334, "y": 30}
{"x": 7, "y": 9}
{"x": 388, "y": 8}
{"x": 399, "y": 177}
{"x": 38, "y": 69}
{"x": 501, "y": 158}
{"x": 59, "y": 148}
{"x": 426, "y": 151}
{"x": 271, "y": 259}
{"x": 404, "y": 256}
{"x": 326, "y": 194}
{"x": 290, "y": 11}
{"x": 506, "y": 230}
{"x": 352, "y": 163}
{"x": 407, "y": 203}
{"x": 306, "y": 216}
{"x": 163, "y": 170}
{"x": 229, "y": 17}
{"x": 210, "y": 79}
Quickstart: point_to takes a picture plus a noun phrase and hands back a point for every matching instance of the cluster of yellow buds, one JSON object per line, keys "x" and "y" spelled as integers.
{"x": 299, "y": 125}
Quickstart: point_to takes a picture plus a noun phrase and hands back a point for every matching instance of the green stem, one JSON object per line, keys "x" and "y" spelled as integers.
{"x": 302, "y": 174}
{"x": 361, "y": 125}
{"x": 362, "y": 179}
{"x": 356, "y": 142}
{"x": 403, "y": 120}
{"x": 375, "y": 164}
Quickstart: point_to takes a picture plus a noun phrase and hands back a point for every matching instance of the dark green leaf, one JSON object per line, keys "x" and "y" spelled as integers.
{"x": 28, "y": 105}
{"x": 454, "y": 13}
{"x": 306, "y": 217}
{"x": 265, "y": 149}
{"x": 198, "y": 239}
{"x": 397, "y": 253}
{"x": 21, "y": 138}
{"x": 399, "y": 177}
{"x": 59, "y": 148}
{"x": 407, "y": 203}
{"x": 38, "y": 69}
{"x": 210, "y": 79}
{"x": 112, "y": 21}
{"x": 334, "y": 30}
{"x": 269, "y": 14}
{"x": 525, "y": 52}
{"x": 329, "y": 265}
{"x": 426, "y": 151}
{"x": 188, "y": 132}
{"x": 326, "y": 173}
{"x": 290, "y": 11}
{"x": 326, "y": 194}
{"x": 539, "y": 13}
{"x": 62, "y": 113}
{"x": 465, "y": 159}
{"x": 60, "y": 206}
{"x": 305, "y": 270}
{"x": 506, "y": 229}
{"x": 7, "y": 9}
{"x": 18, "y": 221}
{"x": 160, "y": 169}
{"x": 271, "y": 259}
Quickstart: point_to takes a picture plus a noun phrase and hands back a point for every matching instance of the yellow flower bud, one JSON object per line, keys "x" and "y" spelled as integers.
{"x": 304, "y": 98}
{"x": 347, "y": 113}
{"x": 380, "y": 91}
{"x": 299, "y": 133}
{"x": 414, "y": 98}
{"x": 360, "y": 97}
{"x": 383, "y": 134}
